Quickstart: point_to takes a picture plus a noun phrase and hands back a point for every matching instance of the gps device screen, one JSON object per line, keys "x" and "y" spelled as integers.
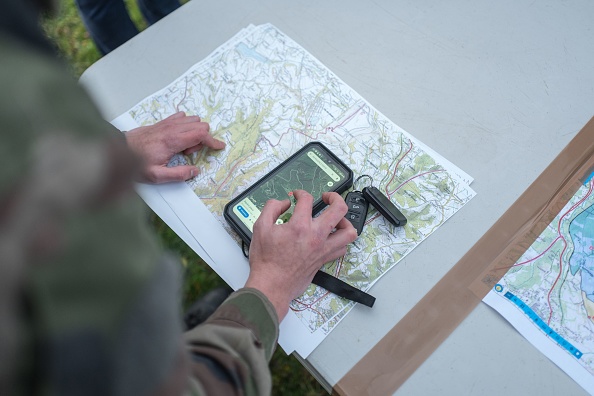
{"x": 313, "y": 169}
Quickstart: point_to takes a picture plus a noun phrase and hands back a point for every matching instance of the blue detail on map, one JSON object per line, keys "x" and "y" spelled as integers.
{"x": 244, "y": 50}
{"x": 589, "y": 178}
{"x": 543, "y": 326}
{"x": 243, "y": 211}
{"x": 581, "y": 230}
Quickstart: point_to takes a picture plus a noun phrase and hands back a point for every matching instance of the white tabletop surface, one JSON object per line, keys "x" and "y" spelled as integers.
{"x": 496, "y": 87}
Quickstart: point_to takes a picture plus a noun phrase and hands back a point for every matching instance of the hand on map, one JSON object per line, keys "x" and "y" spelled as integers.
{"x": 156, "y": 144}
{"x": 285, "y": 257}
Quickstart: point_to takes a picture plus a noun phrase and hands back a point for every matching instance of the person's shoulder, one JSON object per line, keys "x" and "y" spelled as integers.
{"x": 39, "y": 98}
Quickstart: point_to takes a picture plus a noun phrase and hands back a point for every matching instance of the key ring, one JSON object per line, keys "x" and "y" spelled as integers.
{"x": 359, "y": 178}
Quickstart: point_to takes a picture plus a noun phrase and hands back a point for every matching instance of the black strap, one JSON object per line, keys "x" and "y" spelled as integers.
{"x": 342, "y": 289}
{"x": 332, "y": 284}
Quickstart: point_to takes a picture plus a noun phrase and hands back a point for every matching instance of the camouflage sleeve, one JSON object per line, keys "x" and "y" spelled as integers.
{"x": 231, "y": 350}
{"x": 88, "y": 302}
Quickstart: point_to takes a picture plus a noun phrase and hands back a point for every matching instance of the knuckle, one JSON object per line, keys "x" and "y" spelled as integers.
{"x": 352, "y": 234}
{"x": 342, "y": 206}
{"x": 203, "y": 128}
{"x": 202, "y": 134}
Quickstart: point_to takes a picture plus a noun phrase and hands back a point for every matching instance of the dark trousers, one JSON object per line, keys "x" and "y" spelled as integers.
{"x": 110, "y": 25}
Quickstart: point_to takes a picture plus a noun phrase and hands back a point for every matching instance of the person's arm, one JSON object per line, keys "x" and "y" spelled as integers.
{"x": 231, "y": 351}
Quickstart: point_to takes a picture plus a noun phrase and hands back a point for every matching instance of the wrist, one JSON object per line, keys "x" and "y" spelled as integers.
{"x": 277, "y": 297}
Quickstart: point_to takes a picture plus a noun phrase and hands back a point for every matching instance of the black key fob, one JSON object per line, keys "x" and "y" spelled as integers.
{"x": 384, "y": 206}
{"x": 357, "y": 210}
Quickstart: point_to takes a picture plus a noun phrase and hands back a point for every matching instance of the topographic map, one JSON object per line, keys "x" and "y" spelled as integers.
{"x": 266, "y": 97}
{"x": 550, "y": 289}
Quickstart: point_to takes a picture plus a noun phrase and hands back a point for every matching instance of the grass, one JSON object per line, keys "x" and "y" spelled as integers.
{"x": 75, "y": 46}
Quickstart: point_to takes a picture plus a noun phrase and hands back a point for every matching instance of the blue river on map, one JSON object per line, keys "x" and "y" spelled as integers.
{"x": 581, "y": 230}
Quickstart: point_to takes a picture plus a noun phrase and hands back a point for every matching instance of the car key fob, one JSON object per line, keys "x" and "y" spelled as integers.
{"x": 384, "y": 206}
{"x": 357, "y": 210}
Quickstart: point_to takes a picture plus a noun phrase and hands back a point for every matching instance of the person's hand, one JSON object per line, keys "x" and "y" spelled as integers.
{"x": 156, "y": 144}
{"x": 285, "y": 257}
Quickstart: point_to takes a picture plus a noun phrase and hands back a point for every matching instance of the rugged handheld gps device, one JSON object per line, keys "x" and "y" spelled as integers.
{"x": 314, "y": 169}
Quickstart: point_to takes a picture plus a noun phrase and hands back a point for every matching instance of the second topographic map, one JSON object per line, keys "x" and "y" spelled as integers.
{"x": 548, "y": 294}
{"x": 267, "y": 97}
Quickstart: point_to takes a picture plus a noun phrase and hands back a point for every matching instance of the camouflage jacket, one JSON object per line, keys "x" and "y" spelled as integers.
{"x": 89, "y": 304}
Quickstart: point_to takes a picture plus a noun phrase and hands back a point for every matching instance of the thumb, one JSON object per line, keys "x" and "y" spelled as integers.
{"x": 162, "y": 174}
